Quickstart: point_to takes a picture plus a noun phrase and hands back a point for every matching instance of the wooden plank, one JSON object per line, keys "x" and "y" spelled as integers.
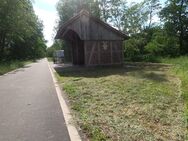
{"x": 99, "y": 53}
{"x": 111, "y": 51}
{"x": 85, "y": 52}
{"x": 92, "y": 51}
{"x": 122, "y": 50}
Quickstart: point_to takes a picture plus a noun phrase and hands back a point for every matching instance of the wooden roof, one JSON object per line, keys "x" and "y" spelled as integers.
{"x": 90, "y": 28}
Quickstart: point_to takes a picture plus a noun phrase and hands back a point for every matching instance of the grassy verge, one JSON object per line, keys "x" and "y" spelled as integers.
{"x": 180, "y": 69}
{"x": 140, "y": 103}
{"x": 50, "y": 59}
{"x": 11, "y": 65}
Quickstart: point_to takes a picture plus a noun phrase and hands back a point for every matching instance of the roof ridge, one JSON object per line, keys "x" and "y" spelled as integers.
{"x": 84, "y": 11}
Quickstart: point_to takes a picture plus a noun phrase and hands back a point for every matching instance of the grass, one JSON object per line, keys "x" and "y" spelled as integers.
{"x": 132, "y": 104}
{"x": 180, "y": 69}
{"x": 11, "y": 65}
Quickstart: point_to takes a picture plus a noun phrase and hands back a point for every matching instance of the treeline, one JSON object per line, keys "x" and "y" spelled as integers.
{"x": 21, "y": 34}
{"x": 155, "y": 29}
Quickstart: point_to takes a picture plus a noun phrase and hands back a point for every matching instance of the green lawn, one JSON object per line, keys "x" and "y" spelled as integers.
{"x": 132, "y": 104}
{"x": 11, "y": 65}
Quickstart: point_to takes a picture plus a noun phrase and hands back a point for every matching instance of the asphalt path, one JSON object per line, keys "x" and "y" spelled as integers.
{"x": 29, "y": 107}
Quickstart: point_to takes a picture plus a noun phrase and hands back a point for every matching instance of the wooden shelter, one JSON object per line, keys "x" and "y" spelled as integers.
{"x": 92, "y": 41}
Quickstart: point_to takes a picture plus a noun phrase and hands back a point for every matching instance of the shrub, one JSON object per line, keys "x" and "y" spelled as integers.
{"x": 151, "y": 44}
{"x": 162, "y": 45}
{"x": 134, "y": 48}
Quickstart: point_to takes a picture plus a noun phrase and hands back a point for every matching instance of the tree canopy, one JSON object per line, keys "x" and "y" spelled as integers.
{"x": 21, "y": 34}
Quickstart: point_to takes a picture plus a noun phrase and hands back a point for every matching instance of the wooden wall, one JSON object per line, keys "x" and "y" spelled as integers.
{"x": 103, "y": 52}
{"x": 89, "y": 29}
{"x": 78, "y": 52}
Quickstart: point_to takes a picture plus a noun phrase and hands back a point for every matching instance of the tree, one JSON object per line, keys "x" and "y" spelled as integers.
{"x": 117, "y": 10}
{"x": 20, "y": 31}
{"x": 153, "y": 7}
{"x": 67, "y": 8}
{"x": 135, "y": 18}
{"x": 175, "y": 18}
{"x": 104, "y": 6}
{"x": 162, "y": 45}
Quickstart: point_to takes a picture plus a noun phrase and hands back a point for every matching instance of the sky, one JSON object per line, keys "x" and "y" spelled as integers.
{"x": 47, "y": 13}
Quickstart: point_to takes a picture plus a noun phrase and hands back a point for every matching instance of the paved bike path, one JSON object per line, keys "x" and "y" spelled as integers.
{"x": 29, "y": 107}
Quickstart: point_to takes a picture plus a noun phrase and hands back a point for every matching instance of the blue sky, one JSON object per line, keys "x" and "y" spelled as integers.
{"x": 46, "y": 11}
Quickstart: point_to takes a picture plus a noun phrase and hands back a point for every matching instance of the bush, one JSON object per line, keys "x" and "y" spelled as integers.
{"x": 134, "y": 48}
{"x": 162, "y": 45}
{"x": 150, "y": 45}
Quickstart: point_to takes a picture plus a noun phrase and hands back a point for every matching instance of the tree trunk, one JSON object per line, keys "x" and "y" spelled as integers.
{"x": 150, "y": 18}
{"x": 2, "y": 45}
{"x": 181, "y": 29}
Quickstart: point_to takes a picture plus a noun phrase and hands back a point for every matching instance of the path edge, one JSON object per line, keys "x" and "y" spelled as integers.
{"x": 72, "y": 130}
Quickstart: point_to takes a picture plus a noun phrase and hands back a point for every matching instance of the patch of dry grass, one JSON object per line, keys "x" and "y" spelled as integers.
{"x": 126, "y": 104}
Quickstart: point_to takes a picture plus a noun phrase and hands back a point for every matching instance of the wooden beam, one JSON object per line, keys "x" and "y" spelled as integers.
{"x": 111, "y": 52}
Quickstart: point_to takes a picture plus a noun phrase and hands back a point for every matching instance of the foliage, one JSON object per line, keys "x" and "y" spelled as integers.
{"x": 153, "y": 7}
{"x": 134, "y": 48}
{"x": 175, "y": 17}
{"x": 104, "y": 6}
{"x": 135, "y": 18}
{"x": 67, "y": 8}
{"x": 116, "y": 11}
{"x": 162, "y": 45}
{"x": 150, "y": 45}
{"x": 20, "y": 31}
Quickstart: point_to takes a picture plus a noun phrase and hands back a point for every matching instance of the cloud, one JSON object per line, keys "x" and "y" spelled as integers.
{"x": 49, "y": 18}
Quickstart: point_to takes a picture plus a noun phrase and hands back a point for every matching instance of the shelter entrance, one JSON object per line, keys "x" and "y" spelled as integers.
{"x": 77, "y": 47}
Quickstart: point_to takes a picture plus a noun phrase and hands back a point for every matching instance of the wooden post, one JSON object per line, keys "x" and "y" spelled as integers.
{"x": 85, "y": 53}
{"x": 91, "y": 53}
{"x": 99, "y": 53}
{"x": 122, "y": 61}
{"x": 111, "y": 51}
